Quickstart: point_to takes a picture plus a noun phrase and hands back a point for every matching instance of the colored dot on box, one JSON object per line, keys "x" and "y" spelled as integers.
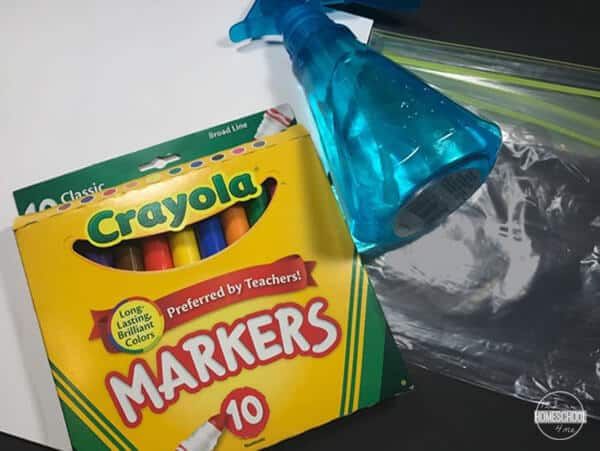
{"x": 217, "y": 157}
{"x": 131, "y": 184}
{"x": 87, "y": 199}
{"x": 239, "y": 150}
{"x": 259, "y": 144}
{"x": 196, "y": 164}
{"x": 110, "y": 192}
{"x": 64, "y": 206}
{"x": 174, "y": 171}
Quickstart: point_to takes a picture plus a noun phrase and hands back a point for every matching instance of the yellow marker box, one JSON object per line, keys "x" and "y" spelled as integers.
{"x": 278, "y": 333}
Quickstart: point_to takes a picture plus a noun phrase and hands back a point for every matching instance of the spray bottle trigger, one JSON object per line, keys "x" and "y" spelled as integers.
{"x": 251, "y": 28}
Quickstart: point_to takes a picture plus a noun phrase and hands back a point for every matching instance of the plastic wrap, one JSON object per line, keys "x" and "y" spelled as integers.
{"x": 505, "y": 294}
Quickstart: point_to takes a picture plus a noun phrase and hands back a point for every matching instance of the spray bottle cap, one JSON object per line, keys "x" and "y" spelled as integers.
{"x": 262, "y": 19}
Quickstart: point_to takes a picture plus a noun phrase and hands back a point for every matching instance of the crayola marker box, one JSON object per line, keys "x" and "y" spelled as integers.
{"x": 216, "y": 304}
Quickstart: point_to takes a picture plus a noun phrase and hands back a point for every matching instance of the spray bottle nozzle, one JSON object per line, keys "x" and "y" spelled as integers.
{"x": 263, "y": 17}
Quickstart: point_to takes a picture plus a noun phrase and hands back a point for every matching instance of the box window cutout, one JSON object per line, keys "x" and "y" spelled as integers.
{"x": 194, "y": 243}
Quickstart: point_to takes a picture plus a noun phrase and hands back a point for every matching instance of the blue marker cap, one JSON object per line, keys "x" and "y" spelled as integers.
{"x": 101, "y": 256}
{"x": 209, "y": 234}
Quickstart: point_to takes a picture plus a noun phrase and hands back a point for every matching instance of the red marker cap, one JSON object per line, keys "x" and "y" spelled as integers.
{"x": 218, "y": 421}
{"x": 157, "y": 254}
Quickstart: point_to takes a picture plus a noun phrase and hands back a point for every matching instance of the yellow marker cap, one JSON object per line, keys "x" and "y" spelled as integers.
{"x": 184, "y": 247}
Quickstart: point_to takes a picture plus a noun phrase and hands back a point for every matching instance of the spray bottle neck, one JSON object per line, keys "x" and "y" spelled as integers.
{"x": 314, "y": 42}
{"x": 303, "y": 24}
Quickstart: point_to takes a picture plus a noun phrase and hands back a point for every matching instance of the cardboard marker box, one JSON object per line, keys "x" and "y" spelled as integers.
{"x": 276, "y": 333}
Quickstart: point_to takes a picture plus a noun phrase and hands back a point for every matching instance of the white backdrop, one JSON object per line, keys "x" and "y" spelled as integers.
{"x": 82, "y": 81}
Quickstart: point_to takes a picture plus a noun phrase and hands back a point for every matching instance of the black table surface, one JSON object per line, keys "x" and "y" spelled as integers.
{"x": 441, "y": 413}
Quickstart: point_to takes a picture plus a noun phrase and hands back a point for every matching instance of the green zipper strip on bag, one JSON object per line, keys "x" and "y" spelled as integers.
{"x": 444, "y": 68}
{"x": 484, "y": 51}
{"x": 529, "y": 99}
{"x": 523, "y": 117}
{"x": 493, "y": 76}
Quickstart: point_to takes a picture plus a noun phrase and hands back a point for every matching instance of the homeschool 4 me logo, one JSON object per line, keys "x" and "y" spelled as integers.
{"x": 560, "y": 415}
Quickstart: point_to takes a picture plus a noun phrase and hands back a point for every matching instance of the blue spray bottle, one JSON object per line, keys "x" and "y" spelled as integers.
{"x": 402, "y": 156}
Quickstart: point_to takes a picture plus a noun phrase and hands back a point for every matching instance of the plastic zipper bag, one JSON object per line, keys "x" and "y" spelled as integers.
{"x": 505, "y": 294}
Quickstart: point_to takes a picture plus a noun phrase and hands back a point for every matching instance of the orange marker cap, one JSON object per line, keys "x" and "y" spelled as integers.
{"x": 235, "y": 223}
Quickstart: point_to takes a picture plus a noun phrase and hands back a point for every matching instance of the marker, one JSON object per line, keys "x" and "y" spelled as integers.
{"x": 206, "y": 437}
{"x": 275, "y": 120}
{"x": 271, "y": 185}
{"x": 210, "y": 236}
{"x": 96, "y": 254}
{"x": 235, "y": 223}
{"x": 184, "y": 247}
{"x": 256, "y": 207}
{"x": 157, "y": 254}
{"x": 128, "y": 255}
